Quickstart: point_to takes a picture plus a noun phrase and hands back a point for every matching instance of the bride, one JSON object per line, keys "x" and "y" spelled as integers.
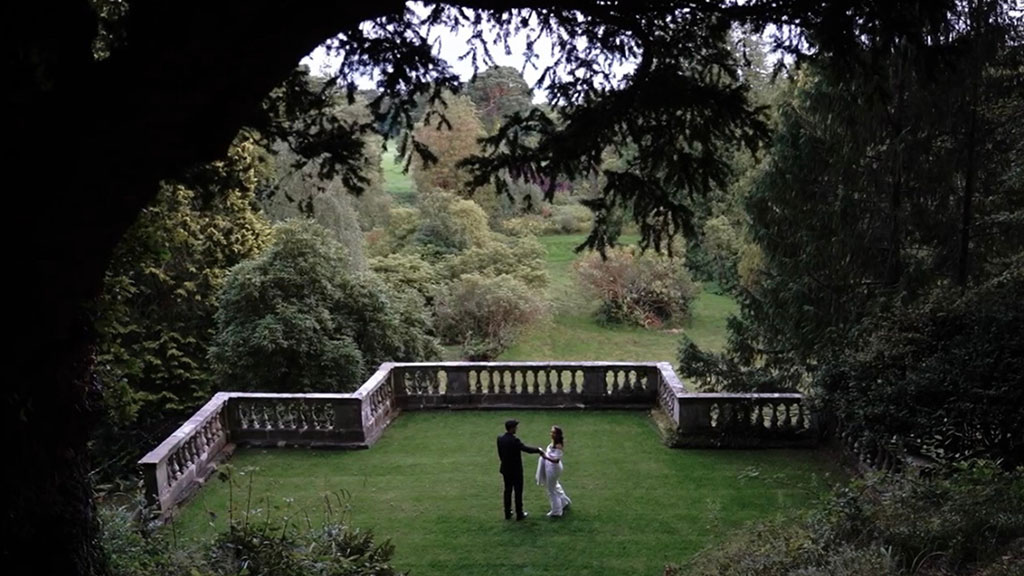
{"x": 549, "y": 470}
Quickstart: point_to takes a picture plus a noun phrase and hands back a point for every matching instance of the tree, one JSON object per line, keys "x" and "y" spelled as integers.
{"x": 880, "y": 223}
{"x": 301, "y": 185}
{"x": 298, "y": 318}
{"x": 450, "y": 130}
{"x": 301, "y": 194}
{"x": 167, "y": 86}
{"x": 498, "y": 92}
{"x": 449, "y": 224}
{"x": 854, "y": 210}
{"x": 155, "y": 315}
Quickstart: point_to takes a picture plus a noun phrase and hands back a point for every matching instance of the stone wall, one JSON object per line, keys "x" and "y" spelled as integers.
{"x": 357, "y": 420}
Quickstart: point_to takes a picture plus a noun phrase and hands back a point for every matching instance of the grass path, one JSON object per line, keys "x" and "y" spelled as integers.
{"x": 431, "y": 485}
{"x": 574, "y": 334}
{"x": 399, "y": 185}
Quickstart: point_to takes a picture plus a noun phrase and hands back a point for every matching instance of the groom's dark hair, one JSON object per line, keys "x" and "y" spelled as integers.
{"x": 510, "y": 425}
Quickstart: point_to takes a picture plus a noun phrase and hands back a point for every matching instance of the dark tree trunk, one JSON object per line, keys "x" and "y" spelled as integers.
{"x": 894, "y": 264}
{"x": 92, "y": 140}
{"x": 963, "y": 267}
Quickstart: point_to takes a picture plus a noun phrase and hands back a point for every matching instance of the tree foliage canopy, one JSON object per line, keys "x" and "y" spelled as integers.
{"x": 298, "y": 319}
{"x": 169, "y": 85}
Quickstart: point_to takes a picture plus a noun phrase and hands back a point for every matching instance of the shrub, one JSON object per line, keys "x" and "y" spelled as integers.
{"x": 399, "y": 234}
{"x": 254, "y": 545}
{"x": 571, "y": 218}
{"x": 646, "y": 289}
{"x": 521, "y": 258}
{"x": 940, "y": 378}
{"x": 786, "y": 548}
{"x": 295, "y": 319}
{"x": 963, "y": 516}
{"x": 485, "y": 314}
{"x": 529, "y": 225}
{"x": 552, "y": 219}
{"x": 275, "y": 550}
{"x": 449, "y": 224}
{"x": 408, "y": 272}
{"x": 132, "y": 550}
{"x": 969, "y": 520}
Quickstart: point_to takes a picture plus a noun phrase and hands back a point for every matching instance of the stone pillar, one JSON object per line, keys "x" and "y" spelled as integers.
{"x": 154, "y": 474}
{"x": 348, "y": 419}
{"x": 694, "y": 415}
{"x": 458, "y": 381}
{"x": 594, "y": 382}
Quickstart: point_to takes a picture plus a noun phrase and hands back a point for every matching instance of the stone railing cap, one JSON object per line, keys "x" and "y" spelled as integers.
{"x": 742, "y": 395}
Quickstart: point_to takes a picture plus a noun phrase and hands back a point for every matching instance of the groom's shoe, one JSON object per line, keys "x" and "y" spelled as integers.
{"x": 525, "y": 514}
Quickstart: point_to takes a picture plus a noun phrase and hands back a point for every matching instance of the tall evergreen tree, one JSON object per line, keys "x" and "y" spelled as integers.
{"x": 155, "y": 315}
{"x": 167, "y": 86}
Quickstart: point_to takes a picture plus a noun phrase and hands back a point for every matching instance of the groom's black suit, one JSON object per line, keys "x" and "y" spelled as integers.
{"x": 510, "y": 451}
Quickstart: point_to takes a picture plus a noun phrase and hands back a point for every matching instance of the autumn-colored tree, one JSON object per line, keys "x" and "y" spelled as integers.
{"x": 498, "y": 92}
{"x": 449, "y": 139}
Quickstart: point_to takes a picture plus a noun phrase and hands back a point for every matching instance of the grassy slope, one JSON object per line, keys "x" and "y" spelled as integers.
{"x": 399, "y": 185}
{"x": 432, "y": 485}
{"x": 573, "y": 334}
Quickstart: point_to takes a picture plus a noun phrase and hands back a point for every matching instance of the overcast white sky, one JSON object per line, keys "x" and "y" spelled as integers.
{"x": 451, "y": 46}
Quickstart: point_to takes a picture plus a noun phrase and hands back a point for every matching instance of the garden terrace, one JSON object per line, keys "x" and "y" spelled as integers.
{"x": 177, "y": 466}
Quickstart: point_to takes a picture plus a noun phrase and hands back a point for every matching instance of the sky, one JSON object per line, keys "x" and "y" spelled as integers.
{"x": 450, "y": 46}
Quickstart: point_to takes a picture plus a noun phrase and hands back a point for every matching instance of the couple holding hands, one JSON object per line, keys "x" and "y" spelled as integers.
{"x": 549, "y": 470}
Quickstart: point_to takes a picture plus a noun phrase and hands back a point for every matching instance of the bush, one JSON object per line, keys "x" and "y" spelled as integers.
{"x": 940, "y": 378}
{"x": 408, "y": 272}
{"x": 552, "y": 219}
{"x": 399, "y": 234}
{"x": 485, "y": 314}
{"x": 132, "y": 550}
{"x": 967, "y": 521}
{"x": 641, "y": 289}
{"x": 295, "y": 319}
{"x": 449, "y": 225}
{"x": 786, "y": 548}
{"x": 254, "y": 545}
{"x": 964, "y": 516}
{"x": 521, "y": 258}
{"x": 529, "y": 225}
{"x": 571, "y": 218}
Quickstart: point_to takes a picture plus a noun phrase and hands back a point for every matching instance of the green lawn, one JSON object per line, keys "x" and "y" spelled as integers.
{"x": 431, "y": 485}
{"x": 574, "y": 334}
{"x": 399, "y": 185}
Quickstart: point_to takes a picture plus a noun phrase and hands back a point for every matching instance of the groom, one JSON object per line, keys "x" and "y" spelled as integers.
{"x": 509, "y": 451}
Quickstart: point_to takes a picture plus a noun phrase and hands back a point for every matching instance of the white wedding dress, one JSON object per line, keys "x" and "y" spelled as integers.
{"x": 548, "y": 474}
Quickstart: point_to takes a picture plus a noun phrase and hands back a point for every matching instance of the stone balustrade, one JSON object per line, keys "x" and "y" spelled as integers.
{"x": 186, "y": 456}
{"x": 357, "y": 420}
{"x": 525, "y": 384}
{"x": 742, "y": 420}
